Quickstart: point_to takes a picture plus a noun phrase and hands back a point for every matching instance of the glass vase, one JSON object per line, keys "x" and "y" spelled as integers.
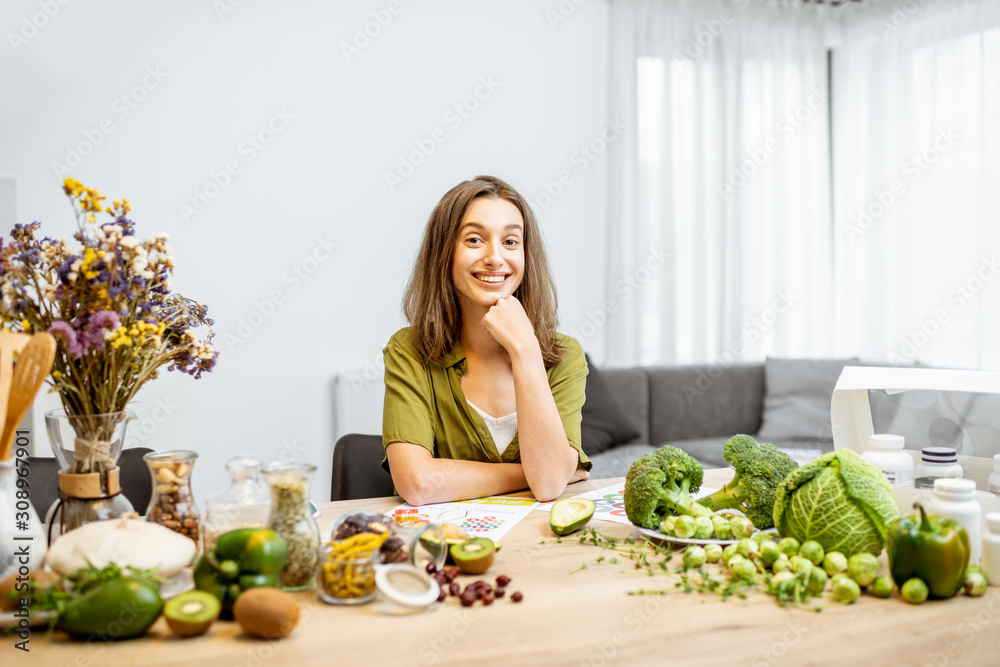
{"x": 21, "y": 531}
{"x": 246, "y": 503}
{"x": 87, "y": 448}
{"x": 291, "y": 517}
{"x": 172, "y": 504}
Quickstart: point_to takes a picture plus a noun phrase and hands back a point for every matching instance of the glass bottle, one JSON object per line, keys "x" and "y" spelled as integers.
{"x": 291, "y": 517}
{"x": 246, "y": 503}
{"x": 172, "y": 503}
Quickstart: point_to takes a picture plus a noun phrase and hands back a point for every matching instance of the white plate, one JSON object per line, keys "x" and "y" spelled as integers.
{"x": 693, "y": 540}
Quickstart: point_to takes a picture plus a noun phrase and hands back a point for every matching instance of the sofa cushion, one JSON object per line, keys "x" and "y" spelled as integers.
{"x": 797, "y": 395}
{"x": 701, "y": 401}
{"x": 603, "y": 423}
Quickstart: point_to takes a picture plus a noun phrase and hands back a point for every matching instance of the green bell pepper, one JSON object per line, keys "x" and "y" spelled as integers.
{"x": 243, "y": 558}
{"x": 935, "y": 550}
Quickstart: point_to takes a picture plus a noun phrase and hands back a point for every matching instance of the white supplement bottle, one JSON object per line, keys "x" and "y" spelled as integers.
{"x": 991, "y": 549}
{"x": 885, "y": 452}
{"x": 956, "y": 499}
{"x": 994, "y": 482}
{"x": 936, "y": 462}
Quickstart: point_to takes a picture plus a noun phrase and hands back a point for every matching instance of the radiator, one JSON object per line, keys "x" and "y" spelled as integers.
{"x": 358, "y": 402}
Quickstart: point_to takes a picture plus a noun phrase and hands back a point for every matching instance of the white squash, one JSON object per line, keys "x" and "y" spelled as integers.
{"x": 125, "y": 542}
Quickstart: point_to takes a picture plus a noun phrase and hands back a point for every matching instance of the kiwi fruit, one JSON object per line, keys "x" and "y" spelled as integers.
{"x": 474, "y": 556}
{"x": 191, "y": 614}
{"x": 10, "y": 597}
{"x": 266, "y": 612}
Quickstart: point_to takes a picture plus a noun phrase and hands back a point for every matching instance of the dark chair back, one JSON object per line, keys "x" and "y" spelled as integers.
{"x": 357, "y": 468}
{"x": 136, "y": 483}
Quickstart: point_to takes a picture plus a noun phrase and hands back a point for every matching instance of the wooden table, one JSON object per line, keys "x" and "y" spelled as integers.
{"x": 585, "y": 618}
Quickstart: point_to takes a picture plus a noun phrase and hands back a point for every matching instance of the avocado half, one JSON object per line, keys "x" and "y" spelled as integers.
{"x": 570, "y": 514}
{"x": 453, "y": 534}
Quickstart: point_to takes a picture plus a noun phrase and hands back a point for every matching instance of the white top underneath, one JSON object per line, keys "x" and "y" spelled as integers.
{"x": 503, "y": 429}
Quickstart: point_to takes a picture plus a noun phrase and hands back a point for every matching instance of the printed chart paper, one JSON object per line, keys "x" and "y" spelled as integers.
{"x": 488, "y": 517}
{"x": 610, "y": 502}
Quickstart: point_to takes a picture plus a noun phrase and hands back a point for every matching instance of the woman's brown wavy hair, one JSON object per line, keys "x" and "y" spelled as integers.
{"x": 431, "y": 304}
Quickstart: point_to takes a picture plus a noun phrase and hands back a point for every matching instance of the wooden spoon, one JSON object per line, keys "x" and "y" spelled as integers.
{"x": 33, "y": 366}
{"x": 10, "y": 343}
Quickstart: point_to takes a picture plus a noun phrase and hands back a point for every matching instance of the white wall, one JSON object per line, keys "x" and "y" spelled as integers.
{"x": 221, "y": 77}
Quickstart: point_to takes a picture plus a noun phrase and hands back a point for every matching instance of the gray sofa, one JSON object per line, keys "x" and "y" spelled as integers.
{"x": 698, "y": 407}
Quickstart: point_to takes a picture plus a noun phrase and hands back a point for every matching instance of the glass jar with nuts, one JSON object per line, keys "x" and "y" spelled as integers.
{"x": 172, "y": 503}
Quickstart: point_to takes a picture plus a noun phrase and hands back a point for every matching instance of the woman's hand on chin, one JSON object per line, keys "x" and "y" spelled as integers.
{"x": 509, "y": 325}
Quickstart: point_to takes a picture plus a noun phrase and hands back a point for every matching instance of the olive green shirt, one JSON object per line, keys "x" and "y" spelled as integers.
{"x": 425, "y": 404}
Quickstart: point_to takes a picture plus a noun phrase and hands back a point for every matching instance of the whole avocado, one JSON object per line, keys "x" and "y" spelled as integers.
{"x": 120, "y": 608}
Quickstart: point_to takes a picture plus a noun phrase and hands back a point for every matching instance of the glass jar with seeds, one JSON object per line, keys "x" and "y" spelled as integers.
{"x": 172, "y": 503}
{"x": 291, "y": 517}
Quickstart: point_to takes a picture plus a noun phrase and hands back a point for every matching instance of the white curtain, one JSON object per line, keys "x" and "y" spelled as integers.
{"x": 916, "y": 154}
{"x": 723, "y": 170}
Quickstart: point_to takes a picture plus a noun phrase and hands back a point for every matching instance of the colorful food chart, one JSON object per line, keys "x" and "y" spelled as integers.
{"x": 488, "y": 517}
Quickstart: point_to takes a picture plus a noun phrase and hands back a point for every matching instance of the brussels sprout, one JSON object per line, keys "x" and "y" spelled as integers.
{"x": 800, "y": 564}
{"x": 748, "y": 548}
{"x": 769, "y": 552}
{"x": 703, "y": 528}
{"x": 685, "y": 526}
{"x": 862, "y": 568}
{"x": 741, "y": 526}
{"x": 713, "y": 553}
{"x": 882, "y": 586}
{"x": 789, "y": 546}
{"x": 743, "y": 569}
{"x": 694, "y": 557}
{"x": 780, "y": 578}
{"x": 816, "y": 581}
{"x": 846, "y": 589}
{"x": 975, "y": 584}
{"x": 834, "y": 562}
{"x": 760, "y": 537}
{"x": 667, "y": 525}
{"x": 728, "y": 552}
{"x": 781, "y": 564}
{"x": 812, "y": 550}
{"x": 914, "y": 590}
{"x": 718, "y": 521}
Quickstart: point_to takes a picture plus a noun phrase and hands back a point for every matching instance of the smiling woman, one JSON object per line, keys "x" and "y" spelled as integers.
{"x": 482, "y": 396}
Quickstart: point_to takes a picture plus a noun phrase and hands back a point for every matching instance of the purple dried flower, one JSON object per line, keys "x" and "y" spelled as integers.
{"x": 67, "y": 336}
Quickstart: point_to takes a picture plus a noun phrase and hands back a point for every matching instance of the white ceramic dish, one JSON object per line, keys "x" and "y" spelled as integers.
{"x": 692, "y": 540}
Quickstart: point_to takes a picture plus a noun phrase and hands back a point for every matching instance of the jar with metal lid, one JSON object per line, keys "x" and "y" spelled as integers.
{"x": 936, "y": 462}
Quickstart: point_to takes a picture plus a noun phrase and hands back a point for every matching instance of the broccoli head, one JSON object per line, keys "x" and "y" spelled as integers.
{"x": 759, "y": 467}
{"x": 660, "y": 483}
